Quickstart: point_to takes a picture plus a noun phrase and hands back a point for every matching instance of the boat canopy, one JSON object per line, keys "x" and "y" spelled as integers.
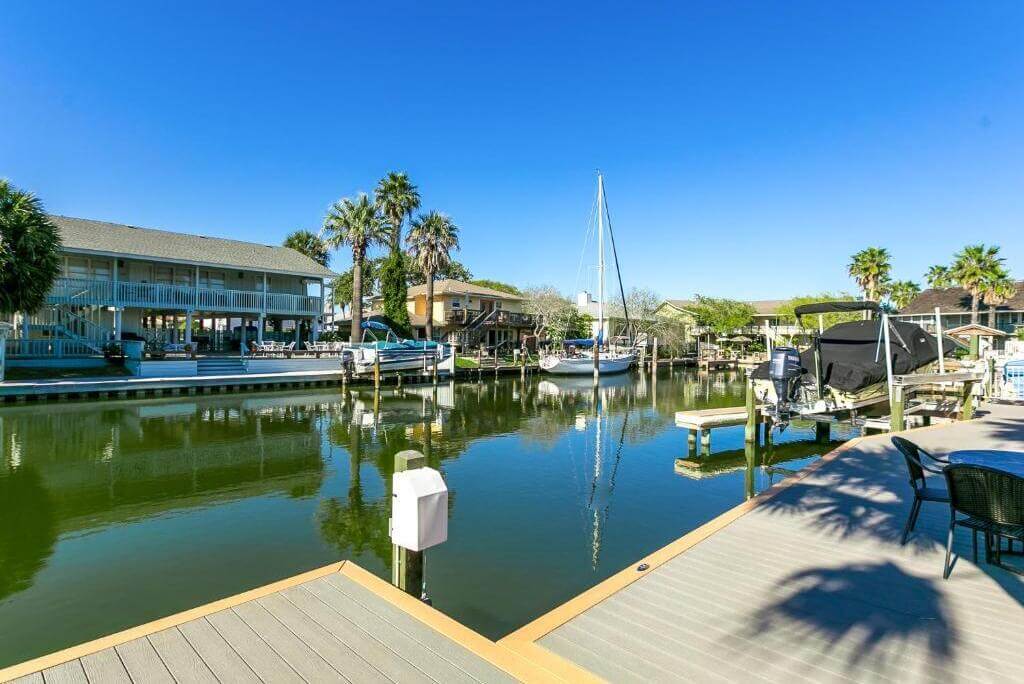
{"x": 580, "y": 342}
{"x": 375, "y": 325}
{"x": 853, "y": 354}
{"x": 834, "y": 307}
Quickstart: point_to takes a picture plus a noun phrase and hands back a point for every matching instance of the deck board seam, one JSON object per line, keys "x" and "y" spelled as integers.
{"x": 258, "y": 636}
{"x": 399, "y": 628}
{"x": 304, "y": 642}
{"x": 226, "y": 643}
{"x": 368, "y": 635}
{"x": 299, "y": 639}
{"x": 334, "y": 636}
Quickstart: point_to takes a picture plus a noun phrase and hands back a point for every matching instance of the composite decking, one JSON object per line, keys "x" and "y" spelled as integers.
{"x": 809, "y": 584}
{"x": 330, "y": 626}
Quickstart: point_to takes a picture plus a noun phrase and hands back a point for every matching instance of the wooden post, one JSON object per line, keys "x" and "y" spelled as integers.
{"x": 967, "y": 401}
{"x": 975, "y": 347}
{"x": 654, "y": 357}
{"x": 705, "y": 442}
{"x": 767, "y": 432}
{"x": 376, "y": 371}
{"x": 691, "y": 443}
{"x": 822, "y": 432}
{"x": 495, "y": 361}
{"x": 398, "y": 379}
{"x": 896, "y": 420}
{"x": 522, "y": 362}
{"x": 406, "y": 565}
{"x": 991, "y": 384}
{"x": 479, "y": 363}
{"x": 750, "y": 433}
{"x": 597, "y": 359}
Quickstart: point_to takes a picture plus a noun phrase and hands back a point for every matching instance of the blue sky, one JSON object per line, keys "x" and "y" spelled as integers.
{"x": 748, "y": 148}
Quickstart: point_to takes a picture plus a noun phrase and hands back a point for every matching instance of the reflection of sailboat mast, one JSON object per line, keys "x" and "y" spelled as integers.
{"x": 595, "y": 543}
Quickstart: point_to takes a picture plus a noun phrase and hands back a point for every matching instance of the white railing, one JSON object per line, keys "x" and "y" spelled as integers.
{"x": 153, "y": 295}
{"x": 55, "y": 347}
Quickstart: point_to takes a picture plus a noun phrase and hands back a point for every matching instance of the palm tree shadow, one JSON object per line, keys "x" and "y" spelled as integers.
{"x": 872, "y": 610}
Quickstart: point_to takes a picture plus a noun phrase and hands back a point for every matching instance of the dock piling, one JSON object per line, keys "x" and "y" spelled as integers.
{"x": 406, "y": 565}
{"x": 750, "y": 433}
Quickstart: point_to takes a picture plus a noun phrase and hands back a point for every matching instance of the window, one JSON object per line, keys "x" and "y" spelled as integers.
{"x": 77, "y": 267}
{"x": 456, "y": 304}
{"x": 164, "y": 275}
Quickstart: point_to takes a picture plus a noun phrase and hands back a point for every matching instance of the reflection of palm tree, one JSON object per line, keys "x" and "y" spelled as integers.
{"x": 28, "y": 528}
{"x": 355, "y": 526}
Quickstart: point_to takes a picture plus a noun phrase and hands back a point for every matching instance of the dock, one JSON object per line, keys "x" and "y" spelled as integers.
{"x": 702, "y": 421}
{"x": 338, "y": 623}
{"x": 806, "y": 582}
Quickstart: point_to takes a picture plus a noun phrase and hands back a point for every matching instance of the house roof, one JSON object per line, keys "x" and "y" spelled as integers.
{"x": 957, "y": 299}
{"x": 452, "y": 286}
{"x": 762, "y": 307}
{"x": 114, "y": 239}
{"x": 975, "y": 329}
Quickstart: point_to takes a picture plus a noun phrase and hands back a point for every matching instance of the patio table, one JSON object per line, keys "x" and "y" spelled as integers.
{"x": 1007, "y": 461}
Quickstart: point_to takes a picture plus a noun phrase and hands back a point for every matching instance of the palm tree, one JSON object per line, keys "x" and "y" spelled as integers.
{"x": 972, "y": 267}
{"x": 310, "y": 244}
{"x": 937, "y": 276}
{"x": 998, "y": 290}
{"x": 870, "y": 267}
{"x": 431, "y": 239}
{"x": 397, "y": 198}
{"x": 902, "y": 292}
{"x": 29, "y": 251}
{"x": 357, "y": 224}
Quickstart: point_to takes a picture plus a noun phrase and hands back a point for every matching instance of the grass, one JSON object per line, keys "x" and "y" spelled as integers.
{"x": 20, "y": 373}
{"x": 465, "y": 362}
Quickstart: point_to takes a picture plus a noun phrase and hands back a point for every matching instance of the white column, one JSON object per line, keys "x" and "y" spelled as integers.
{"x": 262, "y": 324}
{"x": 188, "y": 327}
{"x": 298, "y": 327}
{"x": 118, "y": 312}
{"x": 241, "y": 346}
{"x": 314, "y": 329}
{"x": 5, "y": 330}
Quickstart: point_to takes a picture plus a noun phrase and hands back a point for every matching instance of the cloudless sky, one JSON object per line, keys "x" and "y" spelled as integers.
{"x": 749, "y": 148}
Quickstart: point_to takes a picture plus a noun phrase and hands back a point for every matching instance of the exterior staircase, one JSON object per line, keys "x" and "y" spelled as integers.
{"x": 76, "y": 332}
{"x": 221, "y": 365}
{"x": 473, "y": 333}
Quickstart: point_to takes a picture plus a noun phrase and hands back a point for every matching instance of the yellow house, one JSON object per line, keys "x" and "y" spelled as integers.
{"x": 469, "y": 314}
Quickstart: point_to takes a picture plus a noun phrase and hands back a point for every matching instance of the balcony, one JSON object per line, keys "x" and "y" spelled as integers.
{"x": 180, "y": 297}
{"x": 508, "y": 318}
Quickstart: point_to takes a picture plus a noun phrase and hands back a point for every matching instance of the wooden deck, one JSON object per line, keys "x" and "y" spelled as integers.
{"x": 806, "y": 583}
{"x": 338, "y": 623}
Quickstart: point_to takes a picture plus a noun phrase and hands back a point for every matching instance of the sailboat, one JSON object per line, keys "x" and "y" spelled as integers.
{"x": 592, "y": 356}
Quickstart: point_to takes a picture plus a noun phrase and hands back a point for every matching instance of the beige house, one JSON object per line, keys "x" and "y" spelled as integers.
{"x": 469, "y": 314}
{"x": 119, "y": 281}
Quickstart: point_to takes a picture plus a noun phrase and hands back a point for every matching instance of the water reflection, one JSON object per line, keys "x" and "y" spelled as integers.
{"x": 171, "y": 503}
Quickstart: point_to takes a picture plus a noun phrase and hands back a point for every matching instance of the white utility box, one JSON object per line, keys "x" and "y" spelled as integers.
{"x": 419, "y": 509}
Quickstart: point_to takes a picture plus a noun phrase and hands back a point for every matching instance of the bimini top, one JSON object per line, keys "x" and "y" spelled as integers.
{"x": 852, "y": 360}
{"x": 835, "y": 307}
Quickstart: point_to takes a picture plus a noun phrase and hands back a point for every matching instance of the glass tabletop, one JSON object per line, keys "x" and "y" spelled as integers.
{"x": 1009, "y": 461}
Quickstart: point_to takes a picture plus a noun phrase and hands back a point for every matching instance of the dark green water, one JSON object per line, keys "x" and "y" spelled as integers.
{"x": 114, "y": 514}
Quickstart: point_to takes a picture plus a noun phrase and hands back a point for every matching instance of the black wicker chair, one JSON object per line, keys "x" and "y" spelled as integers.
{"x": 993, "y": 503}
{"x": 925, "y": 488}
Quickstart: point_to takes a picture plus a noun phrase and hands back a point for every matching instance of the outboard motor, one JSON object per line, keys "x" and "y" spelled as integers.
{"x": 785, "y": 370}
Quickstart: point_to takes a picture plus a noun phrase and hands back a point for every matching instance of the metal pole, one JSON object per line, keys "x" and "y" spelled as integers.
{"x": 938, "y": 338}
{"x": 888, "y": 355}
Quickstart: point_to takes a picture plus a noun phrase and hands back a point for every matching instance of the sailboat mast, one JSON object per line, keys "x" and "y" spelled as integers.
{"x": 600, "y": 258}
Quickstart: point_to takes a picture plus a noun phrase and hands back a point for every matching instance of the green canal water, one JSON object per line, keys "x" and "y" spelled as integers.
{"x": 116, "y": 513}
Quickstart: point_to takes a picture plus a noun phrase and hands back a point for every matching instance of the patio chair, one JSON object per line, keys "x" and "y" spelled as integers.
{"x": 992, "y": 501}
{"x": 923, "y": 489}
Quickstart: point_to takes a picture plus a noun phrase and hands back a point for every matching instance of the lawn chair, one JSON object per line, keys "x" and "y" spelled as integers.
{"x": 992, "y": 501}
{"x": 923, "y": 489}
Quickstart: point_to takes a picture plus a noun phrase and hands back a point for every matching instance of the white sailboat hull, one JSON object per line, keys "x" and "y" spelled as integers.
{"x": 584, "y": 365}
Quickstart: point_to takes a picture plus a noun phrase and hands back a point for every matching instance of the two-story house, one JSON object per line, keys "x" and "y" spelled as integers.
{"x": 167, "y": 287}
{"x": 469, "y": 315}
